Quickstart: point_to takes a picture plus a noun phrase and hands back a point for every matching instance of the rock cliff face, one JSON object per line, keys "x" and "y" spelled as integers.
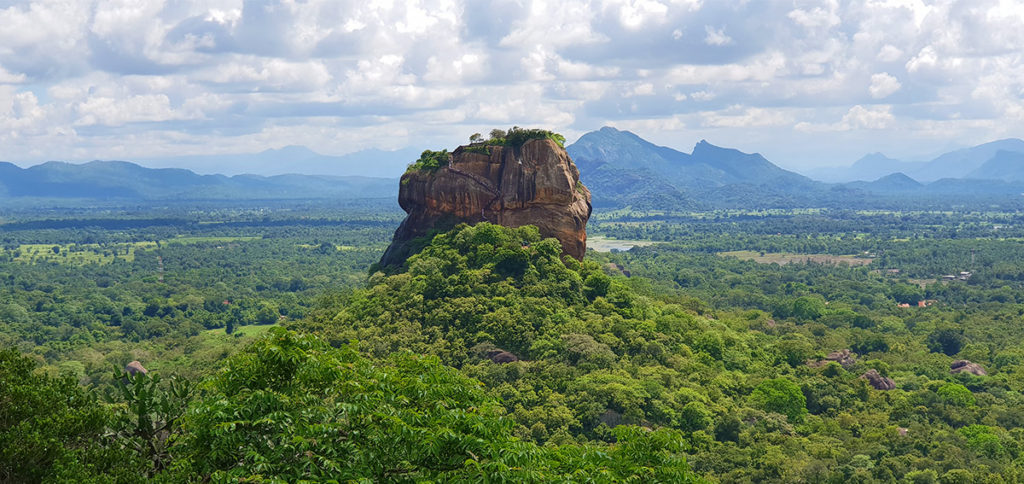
{"x": 533, "y": 184}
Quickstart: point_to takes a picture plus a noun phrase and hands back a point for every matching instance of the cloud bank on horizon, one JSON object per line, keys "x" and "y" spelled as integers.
{"x": 805, "y": 83}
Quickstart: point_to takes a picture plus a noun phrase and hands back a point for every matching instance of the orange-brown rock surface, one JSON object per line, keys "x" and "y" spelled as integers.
{"x": 533, "y": 184}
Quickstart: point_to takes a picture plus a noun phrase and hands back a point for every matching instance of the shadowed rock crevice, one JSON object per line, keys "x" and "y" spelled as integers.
{"x": 532, "y": 184}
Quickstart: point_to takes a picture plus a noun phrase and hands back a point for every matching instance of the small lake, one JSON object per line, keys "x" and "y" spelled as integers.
{"x": 604, "y": 244}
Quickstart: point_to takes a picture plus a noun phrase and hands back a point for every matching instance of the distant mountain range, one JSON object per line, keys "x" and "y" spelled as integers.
{"x": 294, "y": 159}
{"x": 622, "y": 169}
{"x": 870, "y": 167}
{"x": 963, "y": 163}
{"x": 1004, "y": 165}
{"x": 124, "y": 180}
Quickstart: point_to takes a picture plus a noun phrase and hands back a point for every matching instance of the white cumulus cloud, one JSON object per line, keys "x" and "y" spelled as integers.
{"x": 883, "y": 85}
{"x": 79, "y": 78}
{"x": 109, "y": 111}
{"x": 716, "y": 37}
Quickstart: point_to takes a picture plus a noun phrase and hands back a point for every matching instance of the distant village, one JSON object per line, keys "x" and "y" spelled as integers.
{"x": 962, "y": 276}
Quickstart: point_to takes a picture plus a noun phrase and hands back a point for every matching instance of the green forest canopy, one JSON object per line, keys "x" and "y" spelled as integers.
{"x": 708, "y": 352}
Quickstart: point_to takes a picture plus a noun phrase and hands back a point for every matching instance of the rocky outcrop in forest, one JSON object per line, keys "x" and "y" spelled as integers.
{"x": 966, "y": 366}
{"x": 135, "y": 367}
{"x": 533, "y": 183}
{"x": 845, "y": 358}
{"x": 876, "y": 380}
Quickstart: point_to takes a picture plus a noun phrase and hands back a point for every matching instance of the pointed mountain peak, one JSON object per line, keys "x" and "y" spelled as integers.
{"x": 611, "y": 136}
{"x": 611, "y": 132}
{"x": 898, "y": 178}
{"x": 704, "y": 148}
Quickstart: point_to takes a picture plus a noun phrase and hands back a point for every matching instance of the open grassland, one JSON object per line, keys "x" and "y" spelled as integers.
{"x": 336, "y": 247}
{"x": 213, "y": 336}
{"x": 783, "y": 258}
{"x": 188, "y": 240}
{"x": 81, "y": 254}
{"x": 76, "y": 254}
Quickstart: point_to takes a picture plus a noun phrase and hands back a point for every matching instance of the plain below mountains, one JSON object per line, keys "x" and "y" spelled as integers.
{"x": 124, "y": 180}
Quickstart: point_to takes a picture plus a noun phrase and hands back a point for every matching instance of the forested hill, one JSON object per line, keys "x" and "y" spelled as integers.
{"x": 124, "y": 180}
{"x": 707, "y": 165}
{"x": 626, "y": 170}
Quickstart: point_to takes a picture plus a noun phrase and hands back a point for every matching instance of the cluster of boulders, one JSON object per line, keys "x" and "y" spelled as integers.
{"x": 845, "y": 358}
{"x": 876, "y": 380}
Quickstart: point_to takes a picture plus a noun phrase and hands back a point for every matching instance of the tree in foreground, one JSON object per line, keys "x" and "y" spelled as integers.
{"x": 51, "y": 430}
{"x": 291, "y": 408}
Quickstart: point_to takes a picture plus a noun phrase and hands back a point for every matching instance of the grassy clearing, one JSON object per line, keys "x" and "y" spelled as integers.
{"x": 253, "y": 331}
{"x": 82, "y": 254}
{"x": 783, "y": 258}
{"x": 189, "y": 240}
{"x": 77, "y": 254}
{"x": 340, "y": 248}
{"x": 192, "y": 357}
{"x": 205, "y": 352}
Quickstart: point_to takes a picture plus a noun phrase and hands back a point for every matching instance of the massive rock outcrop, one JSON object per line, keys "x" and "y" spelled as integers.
{"x": 535, "y": 183}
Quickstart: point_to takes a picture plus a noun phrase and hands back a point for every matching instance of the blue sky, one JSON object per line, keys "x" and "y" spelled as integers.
{"x": 804, "y": 83}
